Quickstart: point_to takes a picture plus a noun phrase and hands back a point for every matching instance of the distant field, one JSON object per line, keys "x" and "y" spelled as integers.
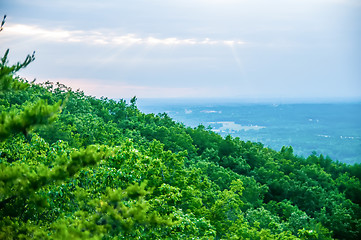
{"x": 333, "y": 130}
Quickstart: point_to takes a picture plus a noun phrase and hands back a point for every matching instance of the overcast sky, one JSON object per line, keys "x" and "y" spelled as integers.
{"x": 239, "y": 49}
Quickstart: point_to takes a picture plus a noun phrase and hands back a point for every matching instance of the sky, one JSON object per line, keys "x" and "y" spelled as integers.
{"x": 299, "y": 50}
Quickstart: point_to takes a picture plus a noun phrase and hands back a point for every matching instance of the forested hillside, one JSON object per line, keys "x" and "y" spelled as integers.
{"x": 76, "y": 167}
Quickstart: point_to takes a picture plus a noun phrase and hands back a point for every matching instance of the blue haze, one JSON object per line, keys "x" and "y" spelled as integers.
{"x": 331, "y": 129}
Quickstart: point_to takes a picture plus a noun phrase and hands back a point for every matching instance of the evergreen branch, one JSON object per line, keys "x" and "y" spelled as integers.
{"x": 2, "y": 23}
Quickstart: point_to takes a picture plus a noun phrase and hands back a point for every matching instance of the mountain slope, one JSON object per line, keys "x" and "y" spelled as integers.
{"x": 74, "y": 166}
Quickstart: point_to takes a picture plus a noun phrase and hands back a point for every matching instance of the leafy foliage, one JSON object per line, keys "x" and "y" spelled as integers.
{"x": 76, "y": 167}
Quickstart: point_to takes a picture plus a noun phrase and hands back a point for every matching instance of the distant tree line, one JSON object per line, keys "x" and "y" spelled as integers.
{"x": 76, "y": 167}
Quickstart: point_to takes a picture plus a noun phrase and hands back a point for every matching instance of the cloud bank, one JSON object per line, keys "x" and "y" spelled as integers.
{"x": 106, "y": 37}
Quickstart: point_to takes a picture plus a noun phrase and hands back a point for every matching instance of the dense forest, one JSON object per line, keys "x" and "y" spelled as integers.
{"x": 76, "y": 167}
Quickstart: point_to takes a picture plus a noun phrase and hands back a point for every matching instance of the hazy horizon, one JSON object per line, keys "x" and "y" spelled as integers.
{"x": 178, "y": 101}
{"x": 259, "y": 50}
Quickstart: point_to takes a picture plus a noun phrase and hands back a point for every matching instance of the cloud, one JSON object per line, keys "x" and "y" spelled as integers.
{"x": 106, "y": 37}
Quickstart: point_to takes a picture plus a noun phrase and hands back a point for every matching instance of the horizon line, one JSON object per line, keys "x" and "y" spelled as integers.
{"x": 179, "y": 100}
